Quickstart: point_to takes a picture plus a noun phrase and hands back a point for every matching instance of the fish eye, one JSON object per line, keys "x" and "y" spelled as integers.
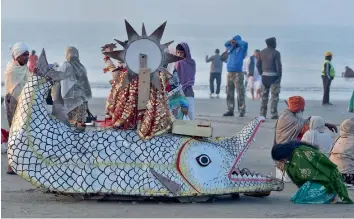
{"x": 203, "y": 160}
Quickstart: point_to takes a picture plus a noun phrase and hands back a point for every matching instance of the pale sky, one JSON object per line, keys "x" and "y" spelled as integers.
{"x": 252, "y": 12}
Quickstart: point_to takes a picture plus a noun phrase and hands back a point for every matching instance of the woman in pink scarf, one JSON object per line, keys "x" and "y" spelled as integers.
{"x": 186, "y": 69}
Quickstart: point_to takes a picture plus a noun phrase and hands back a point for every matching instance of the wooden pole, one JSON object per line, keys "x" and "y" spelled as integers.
{"x": 144, "y": 82}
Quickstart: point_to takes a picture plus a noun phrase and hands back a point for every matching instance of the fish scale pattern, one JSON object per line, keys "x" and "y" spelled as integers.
{"x": 52, "y": 155}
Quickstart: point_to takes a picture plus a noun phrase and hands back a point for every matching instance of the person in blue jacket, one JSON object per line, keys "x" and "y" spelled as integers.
{"x": 237, "y": 51}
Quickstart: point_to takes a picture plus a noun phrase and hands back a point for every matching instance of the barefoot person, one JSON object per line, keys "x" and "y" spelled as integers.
{"x": 237, "y": 50}
{"x": 291, "y": 124}
{"x": 342, "y": 153}
{"x": 16, "y": 75}
{"x": 328, "y": 74}
{"x": 254, "y": 78}
{"x": 270, "y": 67}
{"x": 317, "y": 178}
{"x": 215, "y": 72}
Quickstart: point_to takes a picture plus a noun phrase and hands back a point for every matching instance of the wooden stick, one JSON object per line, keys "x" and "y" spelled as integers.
{"x": 144, "y": 82}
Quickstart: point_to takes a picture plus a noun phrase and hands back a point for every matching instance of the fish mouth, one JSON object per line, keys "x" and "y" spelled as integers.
{"x": 245, "y": 175}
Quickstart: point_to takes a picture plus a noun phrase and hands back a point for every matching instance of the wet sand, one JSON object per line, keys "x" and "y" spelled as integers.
{"x": 21, "y": 199}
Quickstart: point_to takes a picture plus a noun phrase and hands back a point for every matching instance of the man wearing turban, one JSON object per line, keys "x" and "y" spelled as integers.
{"x": 16, "y": 74}
{"x": 291, "y": 124}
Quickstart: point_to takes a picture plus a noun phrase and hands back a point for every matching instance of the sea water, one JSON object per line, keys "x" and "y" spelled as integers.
{"x": 302, "y": 50}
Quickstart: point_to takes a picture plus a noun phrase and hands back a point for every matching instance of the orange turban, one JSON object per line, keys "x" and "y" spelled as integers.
{"x": 296, "y": 104}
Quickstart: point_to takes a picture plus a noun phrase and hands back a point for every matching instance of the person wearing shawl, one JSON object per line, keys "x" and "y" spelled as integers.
{"x": 317, "y": 136}
{"x": 342, "y": 153}
{"x": 186, "y": 70}
{"x": 16, "y": 75}
{"x": 317, "y": 178}
{"x": 291, "y": 124}
{"x": 71, "y": 95}
{"x": 348, "y": 73}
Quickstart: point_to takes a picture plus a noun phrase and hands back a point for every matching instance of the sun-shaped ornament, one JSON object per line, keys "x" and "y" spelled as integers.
{"x": 144, "y": 52}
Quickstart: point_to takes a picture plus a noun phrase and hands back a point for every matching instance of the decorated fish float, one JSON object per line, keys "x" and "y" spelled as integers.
{"x": 117, "y": 163}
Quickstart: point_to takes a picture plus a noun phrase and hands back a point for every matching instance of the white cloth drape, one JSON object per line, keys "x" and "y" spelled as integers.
{"x": 316, "y": 135}
{"x": 15, "y": 78}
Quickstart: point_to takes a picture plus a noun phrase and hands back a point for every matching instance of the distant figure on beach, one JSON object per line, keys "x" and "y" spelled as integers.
{"x": 16, "y": 75}
{"x": 237, "y": 50}
{"x": 270, "y": 67}
{"x": 254, "y": 78}
{"x": 186, "y": 69}
{"x": 33, "y": 58}
{"x": 317, "y": 178}
{"x": 342, "y": 153}
{"x": 328, "y": 74}
{"x": 70, "y": 96}
{"x": 215, "y": 72}
{"x": 245, "y": 70}
{"x": 317, "y": 136}
{"x": 349, "y": 73}
{"x": 291, "y": 124}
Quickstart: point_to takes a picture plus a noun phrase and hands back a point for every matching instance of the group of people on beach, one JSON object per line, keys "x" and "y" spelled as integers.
{"x": 262, "y": 72}
{"x": 320, "y": 167}
{"x": 301, "y": 148}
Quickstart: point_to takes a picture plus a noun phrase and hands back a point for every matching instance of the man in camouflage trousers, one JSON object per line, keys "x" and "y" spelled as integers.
{"x": 237, "y": 51}
{"x": 270, "y": 67}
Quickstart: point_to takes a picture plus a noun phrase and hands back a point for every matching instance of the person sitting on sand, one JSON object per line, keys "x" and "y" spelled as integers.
{"x": 16, "y": 75}
{"x": 342, "y": 153}
{"x": 349, "y": 73}
{"x": 317, "y": 178}
{"x": 317, "y": 136}
{"x": 71, "y": 94}
{"x": 291, "y": 124}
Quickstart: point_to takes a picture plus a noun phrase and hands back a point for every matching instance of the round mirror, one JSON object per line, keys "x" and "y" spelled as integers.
{"x": 147, "y": 47}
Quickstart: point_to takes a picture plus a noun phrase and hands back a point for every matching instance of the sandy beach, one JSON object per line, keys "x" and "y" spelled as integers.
{"x": 21, "y": 199}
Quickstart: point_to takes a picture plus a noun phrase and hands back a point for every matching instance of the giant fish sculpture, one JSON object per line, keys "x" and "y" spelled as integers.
{"x": 52, "y": 155}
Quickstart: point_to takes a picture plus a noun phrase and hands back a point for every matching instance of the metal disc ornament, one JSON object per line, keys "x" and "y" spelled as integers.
{"x": 157, "y": 55}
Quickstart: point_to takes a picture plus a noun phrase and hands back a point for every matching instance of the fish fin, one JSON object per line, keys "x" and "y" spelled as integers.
{"x": 172, "y": 186}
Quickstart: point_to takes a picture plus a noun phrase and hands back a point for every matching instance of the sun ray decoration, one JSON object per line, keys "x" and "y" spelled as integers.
{"x": 149, "y": 45}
